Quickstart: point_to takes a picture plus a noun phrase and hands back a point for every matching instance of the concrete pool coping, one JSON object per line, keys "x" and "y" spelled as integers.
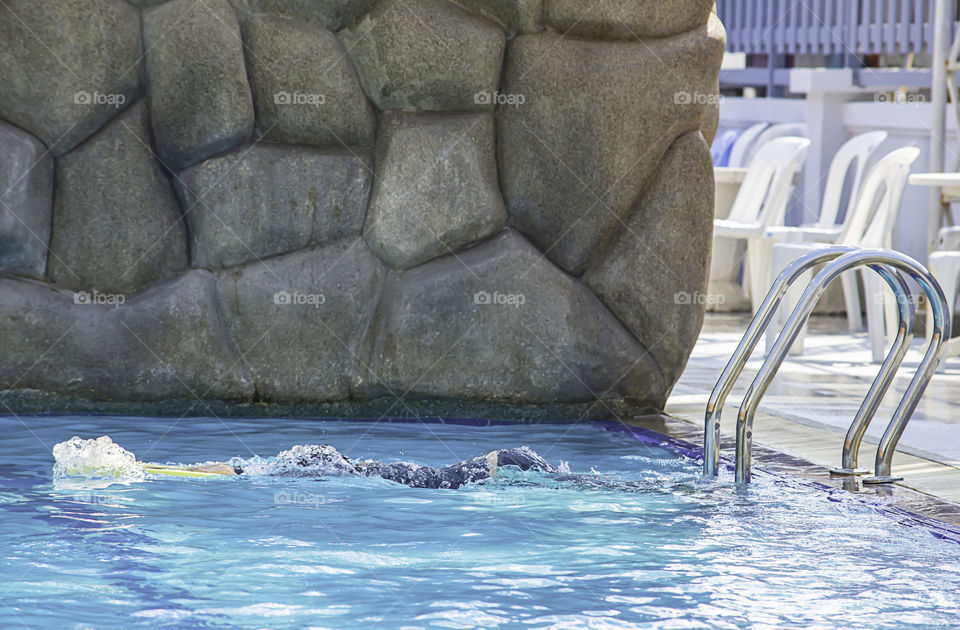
{"x": 929, "y": 489}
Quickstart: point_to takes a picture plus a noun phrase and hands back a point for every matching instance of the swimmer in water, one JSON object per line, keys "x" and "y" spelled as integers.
{"x": 305, "y": 460}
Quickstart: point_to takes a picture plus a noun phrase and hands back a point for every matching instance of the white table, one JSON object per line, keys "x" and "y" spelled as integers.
{"x": 950, "y": 192}
{"x": 727, "y": 180}
{"x": 729, "y": 174}
{"x": 949, "y": 182}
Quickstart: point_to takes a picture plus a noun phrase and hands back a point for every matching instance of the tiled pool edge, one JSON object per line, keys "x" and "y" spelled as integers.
{"x": 903, "y": 504}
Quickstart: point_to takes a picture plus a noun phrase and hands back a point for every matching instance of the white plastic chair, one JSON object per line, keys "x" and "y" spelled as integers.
{"x": 760, "y": 203}
{"x": 780, "y": 130}
{"x": 944, "y": 264}
{"x": 856, "y": 154}
{"x": 871, "y": 224}
{"x": 744, "y": 143}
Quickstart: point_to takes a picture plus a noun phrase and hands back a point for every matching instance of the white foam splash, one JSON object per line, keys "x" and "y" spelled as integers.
{"x": 302, "y": 460}
{"x": 99, "y": 458}
{"x": 255, "y": 466}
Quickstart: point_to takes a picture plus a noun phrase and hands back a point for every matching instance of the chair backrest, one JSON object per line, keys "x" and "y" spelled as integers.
{"x": 878, "y": 204}
{"x": 857, "y": 153}
{"x": 781, "y": 130}
{"x": 721, "y": 147}
{"x": 741, "y": 148}
{"x": 948, "y": 239}
{"x": 763, "y": 195}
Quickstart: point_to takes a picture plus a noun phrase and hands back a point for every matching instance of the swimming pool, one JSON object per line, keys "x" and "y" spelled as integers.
{"x": 668, "y": 551}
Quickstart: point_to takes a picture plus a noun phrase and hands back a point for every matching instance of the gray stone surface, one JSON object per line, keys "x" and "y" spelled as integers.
{"x": 436, "y": 189}
{"x": 298, "y": 319}
{"x": 515, "y": 16}
{"x": 304, "y": 88}
{"x": 502, "y": 323}
{"x": 626, "y": 19}
{"x": 329, "y": 14}
{"x": 711, "y": 119}
{"x": 165, "y": 343}
{"x": 44, "y": 402}
{"x": 539, "y": 218}
{"x": 67, "y": 66}
{"x": 270, "y": 199}
{"x": 597, "y": 118}
{"x": 200, "y": 100}
{"x": 26, "y": 198}
{"x": 116, "y": 223}
{"x": 654, "y": 276}
{"x": 426, "y": 55}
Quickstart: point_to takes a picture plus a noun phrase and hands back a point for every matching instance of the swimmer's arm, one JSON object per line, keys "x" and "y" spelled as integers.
{"x": 491, "y": 458}
{"x": 217, "y": 468}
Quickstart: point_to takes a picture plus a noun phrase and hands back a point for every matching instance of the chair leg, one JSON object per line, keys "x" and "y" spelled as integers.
{"x": 725, "y": 267}
{"x": 875, "y": 295}
{"x": 890, "y": 314}
{"x": 794, "y": 293}
{"x": 851, "y": 300}
{"x": 759, "y": 253}
{"x": 946, "y": 269}
{"x": 780, "y": 257}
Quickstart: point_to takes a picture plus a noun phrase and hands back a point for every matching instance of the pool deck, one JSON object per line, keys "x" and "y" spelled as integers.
{"x": 810, "y": 405}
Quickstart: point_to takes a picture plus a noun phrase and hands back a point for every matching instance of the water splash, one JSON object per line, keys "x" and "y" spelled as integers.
{"x": 100, "y": 458}
{"x": 302, "y": 460}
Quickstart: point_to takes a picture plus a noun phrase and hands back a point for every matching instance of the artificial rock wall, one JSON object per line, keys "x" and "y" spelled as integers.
{"x": 353, "y": 206}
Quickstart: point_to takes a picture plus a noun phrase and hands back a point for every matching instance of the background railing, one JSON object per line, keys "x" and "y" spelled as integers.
{"x": 843, "y": 30}
{"x": 825, "y": 27}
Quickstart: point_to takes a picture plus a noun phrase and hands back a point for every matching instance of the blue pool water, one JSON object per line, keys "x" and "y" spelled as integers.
{"x": 669, "y": 550}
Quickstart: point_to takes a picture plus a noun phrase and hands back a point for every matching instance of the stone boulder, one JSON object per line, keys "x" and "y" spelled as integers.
{"x": 654, "y": 276}
{"x": 514, "y": 16}
{"x": 67, "y": 66}
{"x": 268, "y": 199}
{"x": 331, "y": 15}
{"x": 304, "y": 88}
{"x": 436, "y": 189}
{"x": 626, "y": 19}
{"x": 165, "y": 343}
{"x": 116, "y": 223}
{"x": 200, "y": 100}
{"x": 26, "y": 198}
{"x": 595, "y": 123}
{"x": 298, "y": 319}
{"x": 426, "y": 55}
{"x": 501, "y": 322}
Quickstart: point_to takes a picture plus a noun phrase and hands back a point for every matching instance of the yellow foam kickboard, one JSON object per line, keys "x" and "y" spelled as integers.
{"x": 176, "y": 471}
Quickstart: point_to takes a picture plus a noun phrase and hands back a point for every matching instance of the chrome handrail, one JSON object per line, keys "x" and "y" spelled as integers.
{"x": 940, "y": 310}
{"x": 711, "y": 436}
{"x": 906, "y": 316}
{"x": 877, "y": 260}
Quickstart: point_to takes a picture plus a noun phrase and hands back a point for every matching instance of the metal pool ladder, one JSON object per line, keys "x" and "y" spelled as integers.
{"x": 891, "y": 266}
